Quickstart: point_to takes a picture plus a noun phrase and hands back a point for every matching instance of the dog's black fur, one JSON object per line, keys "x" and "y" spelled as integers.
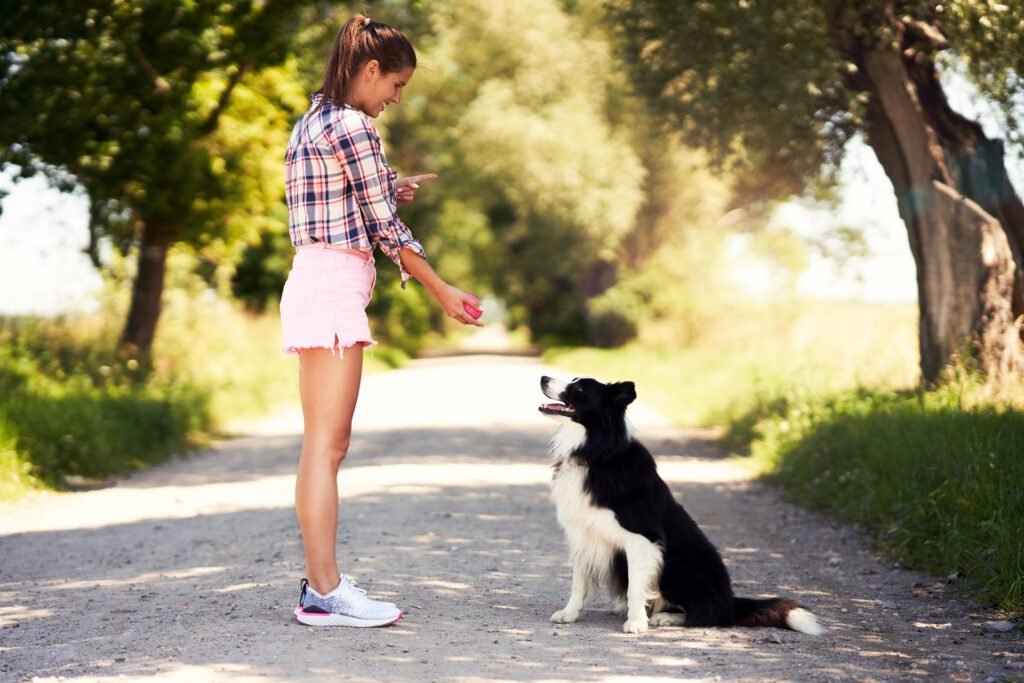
{"x": 619, "y": 474}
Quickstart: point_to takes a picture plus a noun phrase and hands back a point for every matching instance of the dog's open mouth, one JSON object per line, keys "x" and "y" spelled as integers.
{"x": 557, "y": 409}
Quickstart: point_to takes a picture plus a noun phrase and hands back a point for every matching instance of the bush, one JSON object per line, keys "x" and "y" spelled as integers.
{"x": 75, "y": 409}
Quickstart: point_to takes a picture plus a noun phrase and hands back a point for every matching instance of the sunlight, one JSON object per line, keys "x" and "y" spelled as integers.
{"x": 138, "y": 578}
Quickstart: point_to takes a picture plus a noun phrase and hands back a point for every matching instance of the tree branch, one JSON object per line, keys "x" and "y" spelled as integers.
{"x": 213, "y": 120}
{"x": 161, "y": 84}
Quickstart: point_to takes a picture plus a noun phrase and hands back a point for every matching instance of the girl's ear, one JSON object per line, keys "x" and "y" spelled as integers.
{"x": 371, "y": 68}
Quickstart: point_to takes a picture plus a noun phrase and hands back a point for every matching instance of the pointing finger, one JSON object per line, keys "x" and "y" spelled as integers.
{"x": 413, "y": 179}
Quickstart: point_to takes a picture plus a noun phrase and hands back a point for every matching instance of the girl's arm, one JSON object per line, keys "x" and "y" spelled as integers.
{"x": 452, "y": 299}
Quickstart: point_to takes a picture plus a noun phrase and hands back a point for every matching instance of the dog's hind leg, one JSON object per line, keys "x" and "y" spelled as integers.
{"x": 668, "y": 619}
{"x": 581, "y": 585}
{"x": 617, "y": 582}
{"x": 644, "y": 559}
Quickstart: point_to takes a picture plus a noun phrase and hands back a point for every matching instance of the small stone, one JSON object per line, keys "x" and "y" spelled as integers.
{"x": 998, "y": 626}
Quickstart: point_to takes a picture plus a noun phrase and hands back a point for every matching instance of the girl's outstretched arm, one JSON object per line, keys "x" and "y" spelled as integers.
{"x": 452, "y": 299}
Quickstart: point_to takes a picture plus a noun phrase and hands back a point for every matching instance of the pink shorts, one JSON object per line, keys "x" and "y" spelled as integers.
{"x": 324, "y": 300}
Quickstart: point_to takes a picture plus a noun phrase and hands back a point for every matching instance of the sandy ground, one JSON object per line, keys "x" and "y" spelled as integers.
{"x": 189, "y": 571}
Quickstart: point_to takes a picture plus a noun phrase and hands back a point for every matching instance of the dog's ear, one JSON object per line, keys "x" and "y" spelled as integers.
{"x": 625, "y": 392}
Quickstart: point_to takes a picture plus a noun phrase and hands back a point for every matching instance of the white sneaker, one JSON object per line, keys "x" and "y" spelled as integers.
{"x": 346, "y": 605}
{"x": 352, "y": 582}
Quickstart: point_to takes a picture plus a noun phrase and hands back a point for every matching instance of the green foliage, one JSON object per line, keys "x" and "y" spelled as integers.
{"x": 761, "y": 85}
{"x": 128, "y": 101}
{"x": 990, "y": 40}
{"x": 539, "y": 179}
{"x": 122, "y": 96}
{"x": 935, "y": 478}
{"x": 73, "y": 410}
{"x": 401, "y": 318}
{"x": 756, "y": 83}
{"x": 260, "y": 274}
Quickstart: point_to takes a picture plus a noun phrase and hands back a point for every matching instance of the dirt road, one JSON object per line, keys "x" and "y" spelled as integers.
{"x": 189, "y": 571}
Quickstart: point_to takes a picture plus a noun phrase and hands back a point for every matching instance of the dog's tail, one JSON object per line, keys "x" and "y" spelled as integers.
{"x": 777, "y": 612}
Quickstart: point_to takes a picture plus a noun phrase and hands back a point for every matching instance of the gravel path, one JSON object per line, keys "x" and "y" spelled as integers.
{"x": 189, "y": 571}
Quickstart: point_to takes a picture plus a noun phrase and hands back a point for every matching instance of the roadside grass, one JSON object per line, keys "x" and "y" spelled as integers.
{"x": 825, "y": 404}
{"x": 936, "y": 477}
{"x": 751, "y": 357}
{"x": 74, "y": 410}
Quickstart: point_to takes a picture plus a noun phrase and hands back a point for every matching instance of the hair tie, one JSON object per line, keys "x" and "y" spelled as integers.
{"x": 366, "y": 22}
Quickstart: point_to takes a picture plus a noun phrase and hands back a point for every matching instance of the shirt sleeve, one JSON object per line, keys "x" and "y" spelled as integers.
{"x": 359, "y": 151}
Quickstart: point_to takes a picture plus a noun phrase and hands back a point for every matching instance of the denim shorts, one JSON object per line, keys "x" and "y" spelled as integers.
{"x": 324, "y": 300}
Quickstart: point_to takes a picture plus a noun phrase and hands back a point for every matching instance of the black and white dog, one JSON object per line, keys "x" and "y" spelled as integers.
{"x": 626, "y": 531}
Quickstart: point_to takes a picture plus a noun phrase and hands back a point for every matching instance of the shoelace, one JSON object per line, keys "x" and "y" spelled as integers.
{"x": 352, "y": 582}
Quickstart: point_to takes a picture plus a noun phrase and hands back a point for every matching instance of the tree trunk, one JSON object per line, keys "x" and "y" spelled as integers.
{"x": 965, "y": 266}
{"x": 148, "y": 288}
{"x": 964, "y": 221}
{"x": 976, "y": 165}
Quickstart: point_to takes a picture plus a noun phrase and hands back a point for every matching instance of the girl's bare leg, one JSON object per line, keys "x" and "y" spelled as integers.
{"x": 329, "y": 387}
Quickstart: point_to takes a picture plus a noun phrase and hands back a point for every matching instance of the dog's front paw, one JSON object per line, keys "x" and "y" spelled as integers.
{"x": 565, "y": 616}
{"x": 636, "y": 625}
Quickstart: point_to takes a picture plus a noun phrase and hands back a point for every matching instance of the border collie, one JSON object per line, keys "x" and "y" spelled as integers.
{"x": 626, "y": 531}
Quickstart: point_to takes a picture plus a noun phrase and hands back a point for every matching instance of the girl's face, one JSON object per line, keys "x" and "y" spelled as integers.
{"x": 376, "y": 89}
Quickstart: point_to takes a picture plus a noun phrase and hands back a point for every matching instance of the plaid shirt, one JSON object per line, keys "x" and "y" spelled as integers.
{"x": 339, "y": 188}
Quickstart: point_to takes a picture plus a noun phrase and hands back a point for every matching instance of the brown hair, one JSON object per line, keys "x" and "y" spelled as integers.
{"x": 359, "y": 41}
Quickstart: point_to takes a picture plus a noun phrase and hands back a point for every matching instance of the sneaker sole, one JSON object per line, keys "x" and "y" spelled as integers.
{"x": 318, "y": 619}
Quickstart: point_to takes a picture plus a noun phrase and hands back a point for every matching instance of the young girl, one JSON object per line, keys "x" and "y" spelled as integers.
{"x": 341, "y": 204}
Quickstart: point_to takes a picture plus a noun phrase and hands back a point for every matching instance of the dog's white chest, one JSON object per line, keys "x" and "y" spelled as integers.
{"x": 593, "y": 533}
{"x": 568, "y": 492}
{"x": 572, "y": 503}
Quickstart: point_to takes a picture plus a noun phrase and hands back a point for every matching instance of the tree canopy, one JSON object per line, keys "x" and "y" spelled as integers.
{"x": 775, "y": 91}
{"x": 126, "y": 99}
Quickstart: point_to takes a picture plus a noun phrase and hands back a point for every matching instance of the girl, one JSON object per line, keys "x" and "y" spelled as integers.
{"x": 341, "y": 198}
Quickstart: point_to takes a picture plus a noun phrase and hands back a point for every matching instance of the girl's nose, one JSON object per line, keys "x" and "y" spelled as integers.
{"x": 397, "y": 98}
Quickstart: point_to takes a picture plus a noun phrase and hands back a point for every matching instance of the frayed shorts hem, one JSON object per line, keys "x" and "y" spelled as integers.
{"x": 339, "y": 345}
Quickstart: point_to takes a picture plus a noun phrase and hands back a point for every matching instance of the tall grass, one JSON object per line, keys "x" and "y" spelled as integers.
{"x": 71, "y": 407}
{"x": 749, "y": 356}
{"x": 74, "y": 408}
{"x": 936, "y": 476}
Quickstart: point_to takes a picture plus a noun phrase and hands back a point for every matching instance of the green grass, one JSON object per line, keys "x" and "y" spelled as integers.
{"x": 939, "y": 482}
{"x": 74, "y": 410}
{"x": 747, "y": 359}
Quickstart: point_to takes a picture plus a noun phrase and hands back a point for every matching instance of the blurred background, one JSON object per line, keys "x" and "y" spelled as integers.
{"x": 685, "y": 194}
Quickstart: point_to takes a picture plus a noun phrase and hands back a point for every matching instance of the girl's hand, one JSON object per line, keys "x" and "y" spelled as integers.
{"x": 454, "y": 302}
{"x": 405, "y": 188}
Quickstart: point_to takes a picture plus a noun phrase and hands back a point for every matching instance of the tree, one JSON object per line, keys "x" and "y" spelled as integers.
{"x": 775, "y": 90}
{"x": 513, "y": 106}
{"x": 126, "y": 99}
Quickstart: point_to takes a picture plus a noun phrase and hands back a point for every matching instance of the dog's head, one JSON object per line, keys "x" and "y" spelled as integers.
{"x": 598, "y": 407}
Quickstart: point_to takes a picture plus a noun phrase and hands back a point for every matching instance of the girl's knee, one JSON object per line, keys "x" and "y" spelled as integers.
{"x": 331, "y": 452}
